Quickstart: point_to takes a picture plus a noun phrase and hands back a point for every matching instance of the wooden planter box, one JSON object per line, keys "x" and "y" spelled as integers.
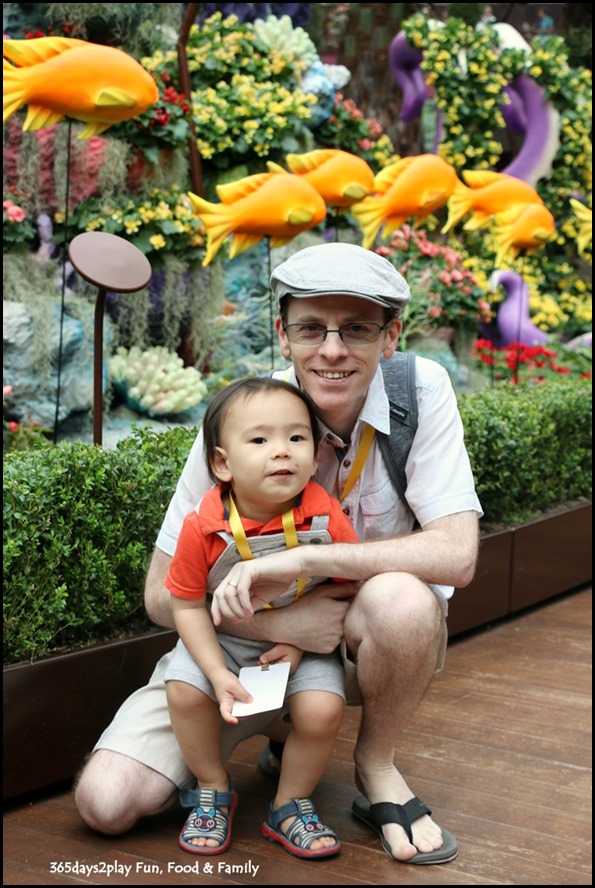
{"x": 525, "y": 564}
{"x": 56, "y": 708}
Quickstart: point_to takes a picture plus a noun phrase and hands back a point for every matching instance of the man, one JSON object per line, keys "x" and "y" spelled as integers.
{"x": 340, "y": 309}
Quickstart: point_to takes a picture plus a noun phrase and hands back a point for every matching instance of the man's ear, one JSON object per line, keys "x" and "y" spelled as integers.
{"x": 393, "y": 332}
{"x": 219, "y": 465}
{"x": 283, "y": 340}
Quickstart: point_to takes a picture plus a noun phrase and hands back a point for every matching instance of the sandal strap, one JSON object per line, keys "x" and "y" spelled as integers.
{"x": 404, "y": 815}
{"x": 306, "y": 828}
{"x": 207, "y": 820}
{"x": 192, "y": 798}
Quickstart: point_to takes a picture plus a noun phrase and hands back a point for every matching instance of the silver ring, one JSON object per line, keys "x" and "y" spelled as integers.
{"x": 235, "y": 585}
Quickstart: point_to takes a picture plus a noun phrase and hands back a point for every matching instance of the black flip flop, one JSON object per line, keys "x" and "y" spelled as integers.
{"x": 375, "y": 816}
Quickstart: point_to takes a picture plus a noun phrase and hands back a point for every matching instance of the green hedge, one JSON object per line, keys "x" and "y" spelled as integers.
{"x": 530, "y": 446}
{"x": 80, "y": 522}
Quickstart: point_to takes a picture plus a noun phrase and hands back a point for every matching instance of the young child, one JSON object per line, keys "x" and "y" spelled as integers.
{"x": 261, "y": 444}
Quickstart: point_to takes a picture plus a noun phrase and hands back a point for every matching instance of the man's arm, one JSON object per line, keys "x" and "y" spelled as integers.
{"x": 444, "y": 553}
{"x": 314, "y": 623}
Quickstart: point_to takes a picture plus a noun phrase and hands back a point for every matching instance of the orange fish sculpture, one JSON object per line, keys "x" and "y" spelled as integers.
{"x": 60, "y": 77}
{"x": 411, "y": 187}
{"x": 341, "y": 178}
{"x": 486, "y": 194}
{"x": 524, "y": 227}
{"x": 277, "y": 205}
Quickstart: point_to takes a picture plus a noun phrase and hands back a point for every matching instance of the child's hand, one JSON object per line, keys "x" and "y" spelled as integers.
{"x": 228, "y": 689}
{"x": 283, "y": 653}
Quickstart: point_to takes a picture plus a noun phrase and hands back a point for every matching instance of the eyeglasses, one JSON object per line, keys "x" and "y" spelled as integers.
{"x": 350, "y": 334}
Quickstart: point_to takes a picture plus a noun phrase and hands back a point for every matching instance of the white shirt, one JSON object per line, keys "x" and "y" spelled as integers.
{"x": 439, "y": 477}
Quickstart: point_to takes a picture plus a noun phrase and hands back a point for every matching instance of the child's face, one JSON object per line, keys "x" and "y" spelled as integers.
{"x": 267, "y": 448}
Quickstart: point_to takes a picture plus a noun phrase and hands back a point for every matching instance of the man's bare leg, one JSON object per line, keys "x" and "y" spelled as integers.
{"x": 396, "y": 630}
{"x": 114, "y": 791}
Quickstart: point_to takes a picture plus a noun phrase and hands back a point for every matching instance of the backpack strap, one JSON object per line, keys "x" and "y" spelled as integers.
{"x": 399, "y": 384}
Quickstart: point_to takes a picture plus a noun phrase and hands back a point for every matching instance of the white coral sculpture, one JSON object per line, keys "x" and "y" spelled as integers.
{"x": 155, "y": 381}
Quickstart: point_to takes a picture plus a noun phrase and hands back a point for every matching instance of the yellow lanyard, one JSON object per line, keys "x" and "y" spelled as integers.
{"x": 360, "y": 459}
{"x": 241, "y": 540}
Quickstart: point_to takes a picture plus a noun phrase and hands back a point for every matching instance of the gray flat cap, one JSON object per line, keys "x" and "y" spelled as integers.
{"x": 342, "y": 270}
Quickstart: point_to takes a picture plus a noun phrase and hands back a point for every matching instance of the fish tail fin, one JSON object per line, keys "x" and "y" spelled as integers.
{"x": 217, "y": 220}
{"x": 242, "y": 242}
{"x": 14, "y": 96}
{"x": 369, "y": 214}
{"x": 459, "y": 203}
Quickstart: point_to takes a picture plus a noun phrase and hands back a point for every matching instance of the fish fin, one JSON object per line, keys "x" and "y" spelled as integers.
{"x": 369, "y": 214}
{"x": 505, "y": 251}
{"x": 299, "y": 216}
{"x": 389, "y": 175}
{"x": 584, "y": 218}
{"x": 242, "y": 242}
{"x": 311, "y": 160}
{"x": 14, "y": 95}
{"x": 217, "y": 220}
{"x": 481, "y": 178}
{"x": 478, "y": 219}
{"x": 94, "y": 128}
{"x": 355, "y": 191}
{"x": 459, "y": 203}
{"x": 432, "y": 199}
{"x": 280, "y": 241}
{"x": 114, "y": 97}
{"x": 38, "y": 118}
{"x": 275, "y": 167}
{"x": 27, "y": 53}
{"x": 230, "y": 192}
{"x": 581, "y": 211}
{"x": 507, "y": 217}
{"x": 392, "y": 224}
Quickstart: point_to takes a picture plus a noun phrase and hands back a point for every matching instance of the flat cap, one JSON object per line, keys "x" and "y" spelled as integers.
{"x": 343, "y": 270}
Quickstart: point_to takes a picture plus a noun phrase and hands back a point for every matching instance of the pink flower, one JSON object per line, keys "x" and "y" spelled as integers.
{"x": 14, "y": 213}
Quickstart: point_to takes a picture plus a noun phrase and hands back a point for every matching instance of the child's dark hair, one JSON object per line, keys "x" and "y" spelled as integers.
{"x": 244, "y": 388}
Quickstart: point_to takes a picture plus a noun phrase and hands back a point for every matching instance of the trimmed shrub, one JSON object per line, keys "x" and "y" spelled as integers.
{"x": 80, "y": 524}
{"x": 530, "y": 446}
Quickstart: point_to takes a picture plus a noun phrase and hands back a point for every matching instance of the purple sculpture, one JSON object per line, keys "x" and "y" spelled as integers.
{"x": 405, "y": 65}
{"x": 513, "y": 320}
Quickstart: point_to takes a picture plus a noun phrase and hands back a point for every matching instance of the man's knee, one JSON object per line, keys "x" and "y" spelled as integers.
{"x": 113, "y": 792}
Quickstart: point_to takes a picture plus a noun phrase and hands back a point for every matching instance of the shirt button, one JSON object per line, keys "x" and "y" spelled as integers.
{"x": 347, "y": 463}
{"x": 346, "y": 510}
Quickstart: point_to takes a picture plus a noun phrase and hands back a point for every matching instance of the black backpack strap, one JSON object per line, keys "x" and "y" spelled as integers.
{"x": 399, "y": 384}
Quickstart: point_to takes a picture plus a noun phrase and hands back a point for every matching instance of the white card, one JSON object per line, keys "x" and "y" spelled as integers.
{"x": 267, "y": 684}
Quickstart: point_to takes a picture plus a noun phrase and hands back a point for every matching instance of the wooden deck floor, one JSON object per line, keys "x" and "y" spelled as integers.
{"x": 500, "y": 749}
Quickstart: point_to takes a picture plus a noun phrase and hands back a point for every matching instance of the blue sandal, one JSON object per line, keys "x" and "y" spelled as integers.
{"x": 207, "y": 820}
{"x": 304, "y": 830}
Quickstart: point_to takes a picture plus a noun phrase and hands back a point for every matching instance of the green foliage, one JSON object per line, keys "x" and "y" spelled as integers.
{"x": 80, "y": 523}
{"x": 530, "y": 446}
